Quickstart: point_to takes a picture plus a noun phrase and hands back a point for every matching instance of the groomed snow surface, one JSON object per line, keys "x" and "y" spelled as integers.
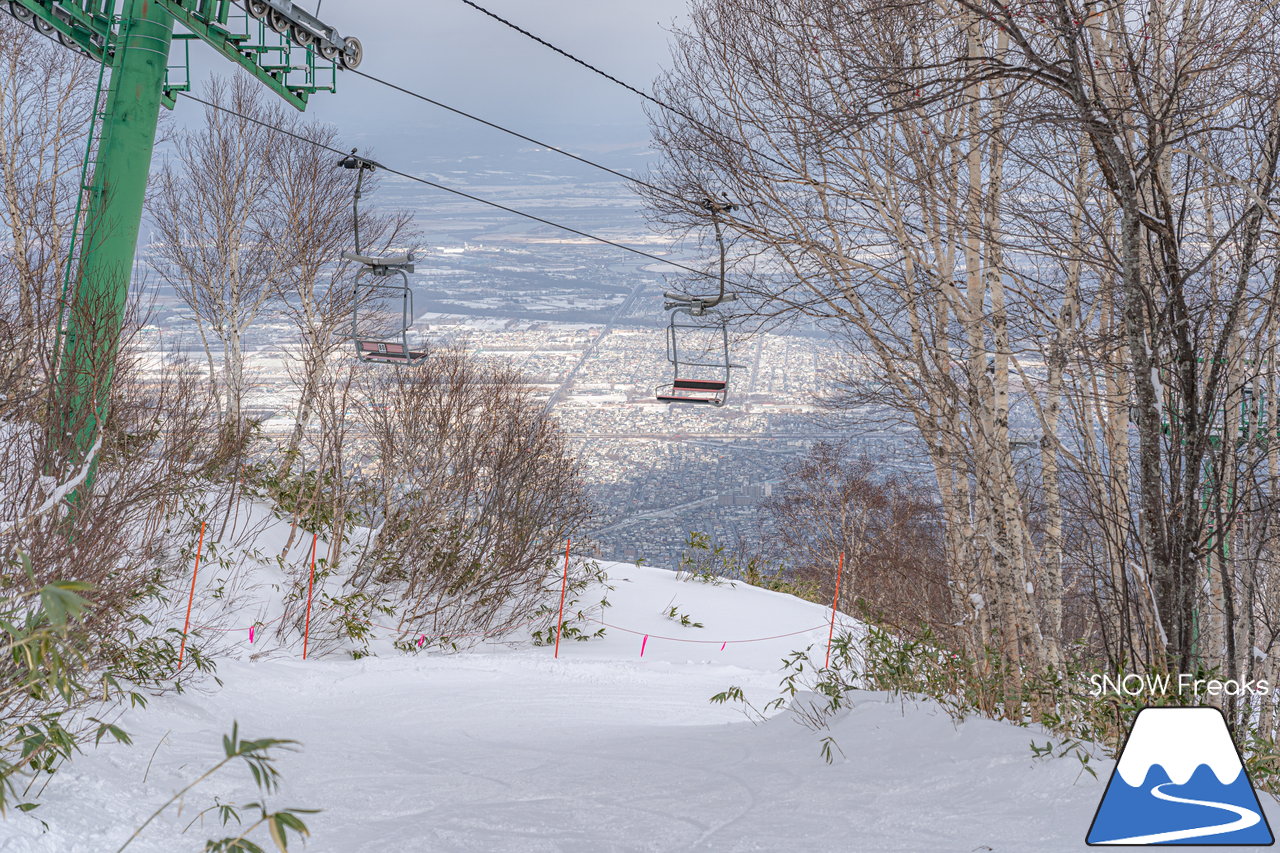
{"x": 506, "y": 749}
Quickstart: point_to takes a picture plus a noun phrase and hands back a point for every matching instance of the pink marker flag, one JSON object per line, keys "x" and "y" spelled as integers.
{"x": 722, "y": 645}
{"x": 251, "y": 633}
{"x": 644, "y": 643}
{"x": 422, "y": 638}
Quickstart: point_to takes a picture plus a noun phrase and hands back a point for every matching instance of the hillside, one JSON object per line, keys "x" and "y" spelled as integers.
{"x": 504, "y": 748}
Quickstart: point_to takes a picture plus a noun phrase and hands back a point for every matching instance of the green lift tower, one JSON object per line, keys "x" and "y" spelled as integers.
{"x": 144, "y": 46}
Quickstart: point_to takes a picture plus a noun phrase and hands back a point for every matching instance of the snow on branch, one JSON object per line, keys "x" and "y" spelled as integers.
{"x": 60, "y": 492}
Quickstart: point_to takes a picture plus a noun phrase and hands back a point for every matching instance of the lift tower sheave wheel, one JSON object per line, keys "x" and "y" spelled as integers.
{"x": 85, "y": 27}
{"x": 306, "y": 30}
{"x": 133, "y": 38}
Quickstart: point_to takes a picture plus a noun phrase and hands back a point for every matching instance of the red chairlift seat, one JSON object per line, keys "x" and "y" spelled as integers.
{"x": 389, "y": 352}
{"x": 707, "y": 391}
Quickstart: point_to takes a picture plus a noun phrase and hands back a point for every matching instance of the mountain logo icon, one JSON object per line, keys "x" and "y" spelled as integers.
{"x": 1180, "y": 780}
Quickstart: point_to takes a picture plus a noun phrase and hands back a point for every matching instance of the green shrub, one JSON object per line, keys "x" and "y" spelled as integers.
{"x": 260, "y": 757}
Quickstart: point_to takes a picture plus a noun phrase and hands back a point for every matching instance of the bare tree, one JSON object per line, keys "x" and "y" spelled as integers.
{"x": 1176, "y": 105}
{"x": 217, "y": 244}
{"x": 66, "y": 660}
{"x": 109, "y": 547}
{"x": 886, "y": 527}
{"x": 45, "y": 109}
{"x": 888, "y": 233}
{"x": 477, "y": 492}
{"x": 1043, "y": 213}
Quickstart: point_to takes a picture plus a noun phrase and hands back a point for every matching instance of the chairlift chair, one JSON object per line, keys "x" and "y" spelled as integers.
{"x": 700, "y": 375}
{"x": 382, "y": 308}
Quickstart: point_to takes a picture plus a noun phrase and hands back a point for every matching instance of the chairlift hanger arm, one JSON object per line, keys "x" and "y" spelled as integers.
{"x": 697, "y": 304}
{"x": 361, "y": 165}
{"x": 692, "y": 382}
{"x": 378, "y": 276}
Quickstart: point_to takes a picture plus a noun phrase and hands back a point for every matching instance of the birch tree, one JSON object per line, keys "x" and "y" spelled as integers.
{"x": 887, "y": 232}
{"x": 1047, "y": 212}
{"x": 210, "y": 207}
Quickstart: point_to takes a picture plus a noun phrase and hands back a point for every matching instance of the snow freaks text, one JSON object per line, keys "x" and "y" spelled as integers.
{"x": 1184, "y": 684}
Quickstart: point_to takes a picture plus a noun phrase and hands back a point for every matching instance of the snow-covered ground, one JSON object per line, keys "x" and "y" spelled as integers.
{"x": 505, "y": 748}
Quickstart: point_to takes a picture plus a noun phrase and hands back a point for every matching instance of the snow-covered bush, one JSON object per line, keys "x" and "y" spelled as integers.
{"x": 96, "y": 524}
{"x": 471, "y": 493}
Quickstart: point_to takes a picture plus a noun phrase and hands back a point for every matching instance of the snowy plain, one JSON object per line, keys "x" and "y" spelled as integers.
{"x": 505, "y": 748}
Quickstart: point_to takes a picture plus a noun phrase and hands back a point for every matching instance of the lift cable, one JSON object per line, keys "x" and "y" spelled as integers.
{"x": 648, "y": 97}
{"x": 451, "y": 190}
{"x": 570, "y": 56}
{"x": 517, "y": 134}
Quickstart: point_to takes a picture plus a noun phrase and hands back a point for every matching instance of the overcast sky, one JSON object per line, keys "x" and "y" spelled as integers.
{"x": 455, "y": 54}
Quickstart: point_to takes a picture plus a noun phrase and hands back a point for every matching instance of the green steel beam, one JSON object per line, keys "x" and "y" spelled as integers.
{"x": 82, "y": 25}
{"x": 137, "y": 49}
{"x": 114, "y": 216}
{"x": 228, "y": 44}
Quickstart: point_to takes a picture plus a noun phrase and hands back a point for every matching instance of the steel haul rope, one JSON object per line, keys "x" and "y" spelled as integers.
{"x": 602, "y": 240}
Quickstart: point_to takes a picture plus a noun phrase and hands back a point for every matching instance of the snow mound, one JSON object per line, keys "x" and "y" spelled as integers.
{"x": 742, "y": 625}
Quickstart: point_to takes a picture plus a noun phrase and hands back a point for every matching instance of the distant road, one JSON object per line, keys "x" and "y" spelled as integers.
{"x": 586, "y": 354}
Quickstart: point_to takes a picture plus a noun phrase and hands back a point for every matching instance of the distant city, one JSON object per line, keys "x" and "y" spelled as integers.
{"x": 584, "y": 322}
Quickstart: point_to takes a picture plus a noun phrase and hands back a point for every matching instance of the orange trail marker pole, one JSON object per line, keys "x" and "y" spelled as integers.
{"x": 306, "y": 630}
{"x": 186, "y": 626}
{"x": 834, "y": 601}
{"x": 564, "y": 584}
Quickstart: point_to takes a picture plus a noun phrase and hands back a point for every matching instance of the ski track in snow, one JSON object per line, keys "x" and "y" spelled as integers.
{"x": 506, "y": 750}
{"x": 1245, "y": 818}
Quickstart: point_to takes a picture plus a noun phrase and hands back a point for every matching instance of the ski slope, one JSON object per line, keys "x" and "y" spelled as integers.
{"x": 505, "y": 748}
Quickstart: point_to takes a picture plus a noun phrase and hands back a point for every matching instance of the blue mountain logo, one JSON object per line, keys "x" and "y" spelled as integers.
{"x": 1180, "y": 780}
